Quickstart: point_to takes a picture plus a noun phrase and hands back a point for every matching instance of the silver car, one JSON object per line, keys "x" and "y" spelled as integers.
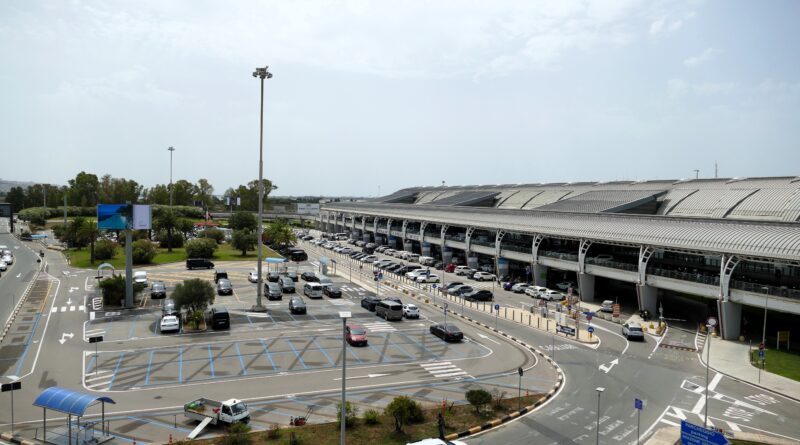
{"x": 633, "y": 331}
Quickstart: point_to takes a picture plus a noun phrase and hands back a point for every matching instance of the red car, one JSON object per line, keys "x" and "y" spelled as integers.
{"x": 450, "y": 268}
{"x": 356, "y": 335}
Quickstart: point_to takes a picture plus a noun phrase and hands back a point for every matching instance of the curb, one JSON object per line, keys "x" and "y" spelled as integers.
{"x": 16, "y": 439}
{"x": 21, "y": 301}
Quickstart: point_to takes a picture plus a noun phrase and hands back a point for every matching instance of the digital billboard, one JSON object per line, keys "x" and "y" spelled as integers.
{"x": 5, "y": 210}
{"x": 114, "y": 216}
{"x": 142, "y": 217}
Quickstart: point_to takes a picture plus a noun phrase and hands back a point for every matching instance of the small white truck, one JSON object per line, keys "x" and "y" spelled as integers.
{"x": 212, "y": 412}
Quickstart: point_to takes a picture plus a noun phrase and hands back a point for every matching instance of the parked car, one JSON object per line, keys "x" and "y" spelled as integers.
{"x": 292, "y": 275}
{"x": 427, "y": 279}
{"x": 632, "y": 330}
{"x": 273, "y": 291}
{"x": 410, "y": 311}
{"x": 461, "y": 270}
{"x": 389, "y": 309}
{"x": 369, "y": 259}
{"x": 220, "y": 274}
{"x": 356, "y": 335}
{"x": 484, "y": 276}
{"x": 253, "y": 276}
{"x": 607, "y": 306}
{"x": 535, "y": 291}
{"x": 479, "y": 295}
{"x": 140, "y": 277}
{"x": 8, "y": 258}
{"x": 519, "y": 288}
{"x": 369, "y": 302}
{"x": 551, "y": 295}
{"x": 332, "y": 291}
{"x": 309, "y": 277}
{"x": 218, "y": 318}
{"x": 170, "y": 323}
{"x": 438, "y": 265}
{"x": 158, "y": 290}
{"x": 312, "y": 290}
{"x": 297, "y": 305}
{"x": 460, "y": 290}
{"x": 199, "y": 263}
{"x": 449, "y": 286}
{"x": 447, "y": 332}
{"x": 414, "y": 274}
{"x": 224, "y": 287}
{"x": 509, "y": 284}
{"x": 287, "y": 285}
{"x": 169, "y": 307}
{"x": 565, "y": 285}
{"x": 272, "y": 277}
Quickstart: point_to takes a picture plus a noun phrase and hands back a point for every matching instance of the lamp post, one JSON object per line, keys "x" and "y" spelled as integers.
{"x": 599, "y": 390}
{"x": 344, "y": 315}
{"x": 709, "y": 327}
{"x": 170, "y": 149}
{"x": 262, "y": 74}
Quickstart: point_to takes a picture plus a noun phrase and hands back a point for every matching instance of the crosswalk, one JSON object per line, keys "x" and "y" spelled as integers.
{"x": 444, "y": 369}
{"x": 341, "y": 302}
{"x": 352, "y": 289}
{"x": 379, "y": 326}
{"x": 100, "y": 381}
{"x": 69, "y": 308}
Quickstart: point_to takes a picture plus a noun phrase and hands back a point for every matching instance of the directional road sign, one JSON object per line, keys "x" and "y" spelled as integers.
{"x": 497, "y": 307}
{"x": 638, "y": 404}
{"x": 692, "y": 434}
{"x": 590, "y": 329}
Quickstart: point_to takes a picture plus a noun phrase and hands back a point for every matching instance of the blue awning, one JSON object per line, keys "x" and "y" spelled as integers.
{"x": 276, "y": 260}
{"x": 67, "y": 401}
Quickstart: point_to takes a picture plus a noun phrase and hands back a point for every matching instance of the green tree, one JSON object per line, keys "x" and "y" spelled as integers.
{"x": 158, "y": 194}
{"x": 185, "y": 226}
{"x": 193, "y": 295}
{"x": 113, "y": 289}
{"x": 143, "y": 251}
{"x": 237, "y": 435}
{"x": 166, "y": 221}
{"x": 83, "y": 190}
{"x": 105, "y": 249}
{"x": 404, "y": 411}
{"x": 16, "y": 197}
{"x": 478, "y": 398}
{"x": 183, "y": 193}
{"x": 204, "y": 192}
{"x": 163, "y": 238}
{"x": 213, "y": 233}
{"x": 242, "y": 220}
{"x": 280, "y": 233}
{"x": 200, "y": 248}
{"x": 244, "y": 240}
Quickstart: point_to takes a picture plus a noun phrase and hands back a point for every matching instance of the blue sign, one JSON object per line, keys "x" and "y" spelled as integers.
{"x": 638, "y": 404}
{"x": 497, "y": 307}
{"x": 565, "y": 329}
{"x": 38, "y": 236}
{"x": 761, "y": 354}
{"x": 590, "y": 329}
{"x": 114, "y": 216}
{"x": 697, "y": 435}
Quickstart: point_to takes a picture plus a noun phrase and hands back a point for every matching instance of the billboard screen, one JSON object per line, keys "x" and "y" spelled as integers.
{"x": 5, "y": 210}
{"x": 142, "y": 217}
{"x": 113, "y": 216}
{"x": 308, "y": 209}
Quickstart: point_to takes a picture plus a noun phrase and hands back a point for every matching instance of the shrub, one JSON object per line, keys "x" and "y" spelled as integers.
{"x": 194, "y": 294}
{"x": 143, "y": 251}
{"x": 351, "y": 411}
{"x": 201, "y": 248}
{"x": 404, "y": 411}
{"x": 113, "y": 289}
{"x": 105, "y": 249}
{"x": 274, "y": 431}
{"x": 371, "y": 417}
{"x": 237, "y": 435}
{"x": 214, "y": 234}
{"x": 478, "y": 398}
{"x": 498, "y": 395}
{"x": 163, "y": 237}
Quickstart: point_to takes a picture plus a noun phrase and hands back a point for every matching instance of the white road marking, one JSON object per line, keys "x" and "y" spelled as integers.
{"x": 608, "y": 368}
{"x": 64, "y": 337}
{"x": 714, "y": 382}
{"x": 486, "y": 337}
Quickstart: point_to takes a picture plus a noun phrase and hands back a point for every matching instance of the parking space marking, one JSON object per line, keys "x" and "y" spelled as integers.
{"x": 297, "y": 354}
{"x": 241, "y": 360}
{"x": 149, "y": 366}
{"x": 325, "y": 353}
{"x": 116, "y": 370}
{"x": 269, "y": 355}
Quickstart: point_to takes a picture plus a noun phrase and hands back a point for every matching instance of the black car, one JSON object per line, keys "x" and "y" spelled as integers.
{"x": 272, "y": 277}
{"x": 479, "y": 295}
{"x": 448, "y": 332}
{"x": 387, "y": 265}
{"x": 292, "y": 275}
{"x": 471, "y": 273}
{"x": 224, "y": 287}
{"x": 287, "y": 285}
{"x": 297, "y": 305}
{"x": 158, "y": 290}
{"x": 438, "y": 265}
{"x": 309, "y": 277}
{"x": 332, "y": 291}
{"x": 307, "y": 238}
{"x": 354, "y": 253}
{"x": 452, "y": 285}
{"x": 273, "y": 291}
{"x": 369, "y": 302}
{"x": 394, "y": 267}
{"x": 220, "y": 274}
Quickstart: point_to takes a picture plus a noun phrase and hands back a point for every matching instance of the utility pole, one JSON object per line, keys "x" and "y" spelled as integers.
{"x": 262, "y": 74}
{"x": 171, "y": 149}
{"x": 696, "y": 174}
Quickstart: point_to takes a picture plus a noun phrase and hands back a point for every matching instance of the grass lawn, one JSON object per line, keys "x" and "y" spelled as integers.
{"x": 782, "y": 363}
{"x": 80, "y": 258}
{"x": 459, "y": 418}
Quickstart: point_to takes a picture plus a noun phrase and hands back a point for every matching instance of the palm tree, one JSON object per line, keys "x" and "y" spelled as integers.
{"x": 280, "y": 233}
{"x": 167, "y": 221}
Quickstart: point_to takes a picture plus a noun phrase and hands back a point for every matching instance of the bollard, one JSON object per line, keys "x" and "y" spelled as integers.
{"x": 170, "y": 437}
{"x": 529, "y": 319}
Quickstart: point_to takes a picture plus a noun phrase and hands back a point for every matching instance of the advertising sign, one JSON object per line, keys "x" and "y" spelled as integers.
{"x": 5, "y": 210}
{"x": 307, "y": 209}
{"x": 142, "y": 217}
{"x": 692, "y": 434}
{"x": 113, "y": 216}
{"x": 565, "y": 329}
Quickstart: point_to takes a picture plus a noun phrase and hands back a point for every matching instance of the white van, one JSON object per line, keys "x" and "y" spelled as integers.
{"x": 140, "y": 277}
{"x": 312, "y": 290}
{"x": 413, "y": 257}
{"x": 325, "y": 280}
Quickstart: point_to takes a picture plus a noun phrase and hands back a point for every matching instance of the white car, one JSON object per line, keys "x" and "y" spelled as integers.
{"x": 535, "y": 291}
{"x": 410, "y": 311}
{"x": 170, "y": 323}
{"x": 3, "y": 266}
{"x": 380, "y": 263}
{"x": 565, "y": 285}
{"x": 416, "y": 273}
{"x": 8, "y": 259}
{"x": 519, "y": 287}
{"x": 253, "y": 276}
{"x": 551, "y": 295}
{"x": 427, "y": 279}
{"x": 484, "y": 276}
{"x": 461, "y": 270}
{"x": 140, "y": 277}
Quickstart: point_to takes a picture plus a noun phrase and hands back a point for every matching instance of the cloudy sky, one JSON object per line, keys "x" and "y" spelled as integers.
{"x": 375, "y": 94}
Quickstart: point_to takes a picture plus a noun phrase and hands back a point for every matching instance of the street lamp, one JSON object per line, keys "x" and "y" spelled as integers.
{"x": 344, "y": 315}
{"x": 709, "y": 327}
{"x": 599, "y": 390}
{"x": 262, "y": 74}
{"x": 170, "y": 149}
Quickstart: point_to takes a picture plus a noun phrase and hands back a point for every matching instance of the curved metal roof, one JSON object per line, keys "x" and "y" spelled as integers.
{"x": 745, "y": 238}
{"x": 67, "y": 401}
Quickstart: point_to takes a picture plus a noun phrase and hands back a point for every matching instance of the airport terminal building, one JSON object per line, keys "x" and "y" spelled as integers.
{"x": 732, "y": 245}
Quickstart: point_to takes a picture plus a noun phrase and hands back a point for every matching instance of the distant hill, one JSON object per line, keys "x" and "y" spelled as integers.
{"x": 5, "y": 185}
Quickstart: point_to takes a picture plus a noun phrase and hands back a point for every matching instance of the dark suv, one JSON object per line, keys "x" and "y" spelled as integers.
{"x": 158, "y": 290}
{"x": 369, "y": 302}
{"x": 309, "y": 277}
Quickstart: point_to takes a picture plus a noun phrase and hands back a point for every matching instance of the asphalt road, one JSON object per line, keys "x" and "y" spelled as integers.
{"x": 671, "y": 382}
{"x": 16, "y": 279}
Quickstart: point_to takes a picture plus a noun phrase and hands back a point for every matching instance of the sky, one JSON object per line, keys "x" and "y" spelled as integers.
{"x": 370, "y": 97}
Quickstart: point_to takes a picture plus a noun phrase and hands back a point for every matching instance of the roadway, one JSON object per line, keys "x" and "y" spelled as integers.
{"x": 17, "y": 278}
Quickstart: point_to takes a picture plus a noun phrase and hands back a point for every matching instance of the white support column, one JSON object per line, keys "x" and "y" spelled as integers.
{"x": 645, "y": 252}
{"x": 445, "y": 259}
{"x": 727, "y": 266}
{"x": 403, "y": 231}
{"x": 468, "y": 240}
{"x": 422, "y": 226}
{"x": 585, "y": 245}
{"x": 537, "y": 241}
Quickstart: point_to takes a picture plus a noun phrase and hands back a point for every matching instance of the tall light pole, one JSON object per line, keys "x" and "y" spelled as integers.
{"x": 599, "y": 390}
{"x": 262, "y": 74}
{"x": 709, "y": 327}
{"x": 344, "y": 315}
{"x": 170, "y": 149}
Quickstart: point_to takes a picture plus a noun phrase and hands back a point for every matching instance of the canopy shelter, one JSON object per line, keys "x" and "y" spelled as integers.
{"x": 72, "y": 403}
{"x": 103, "y": 267}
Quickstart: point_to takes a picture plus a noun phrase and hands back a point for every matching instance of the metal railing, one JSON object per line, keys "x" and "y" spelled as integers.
{"x": 774, "y": 291}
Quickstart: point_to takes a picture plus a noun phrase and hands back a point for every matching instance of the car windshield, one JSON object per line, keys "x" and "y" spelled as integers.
{"x": 451, "y": 328}
{"x": 358, "y": 332}
{"x": 635, "y": 329}
{"x": 239, "y": 408}
{"x": 411, "y": 307}
{"x": 158, "y": 286}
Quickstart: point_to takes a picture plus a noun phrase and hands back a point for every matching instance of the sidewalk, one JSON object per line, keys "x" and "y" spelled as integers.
{"x": 730, "y": 358}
